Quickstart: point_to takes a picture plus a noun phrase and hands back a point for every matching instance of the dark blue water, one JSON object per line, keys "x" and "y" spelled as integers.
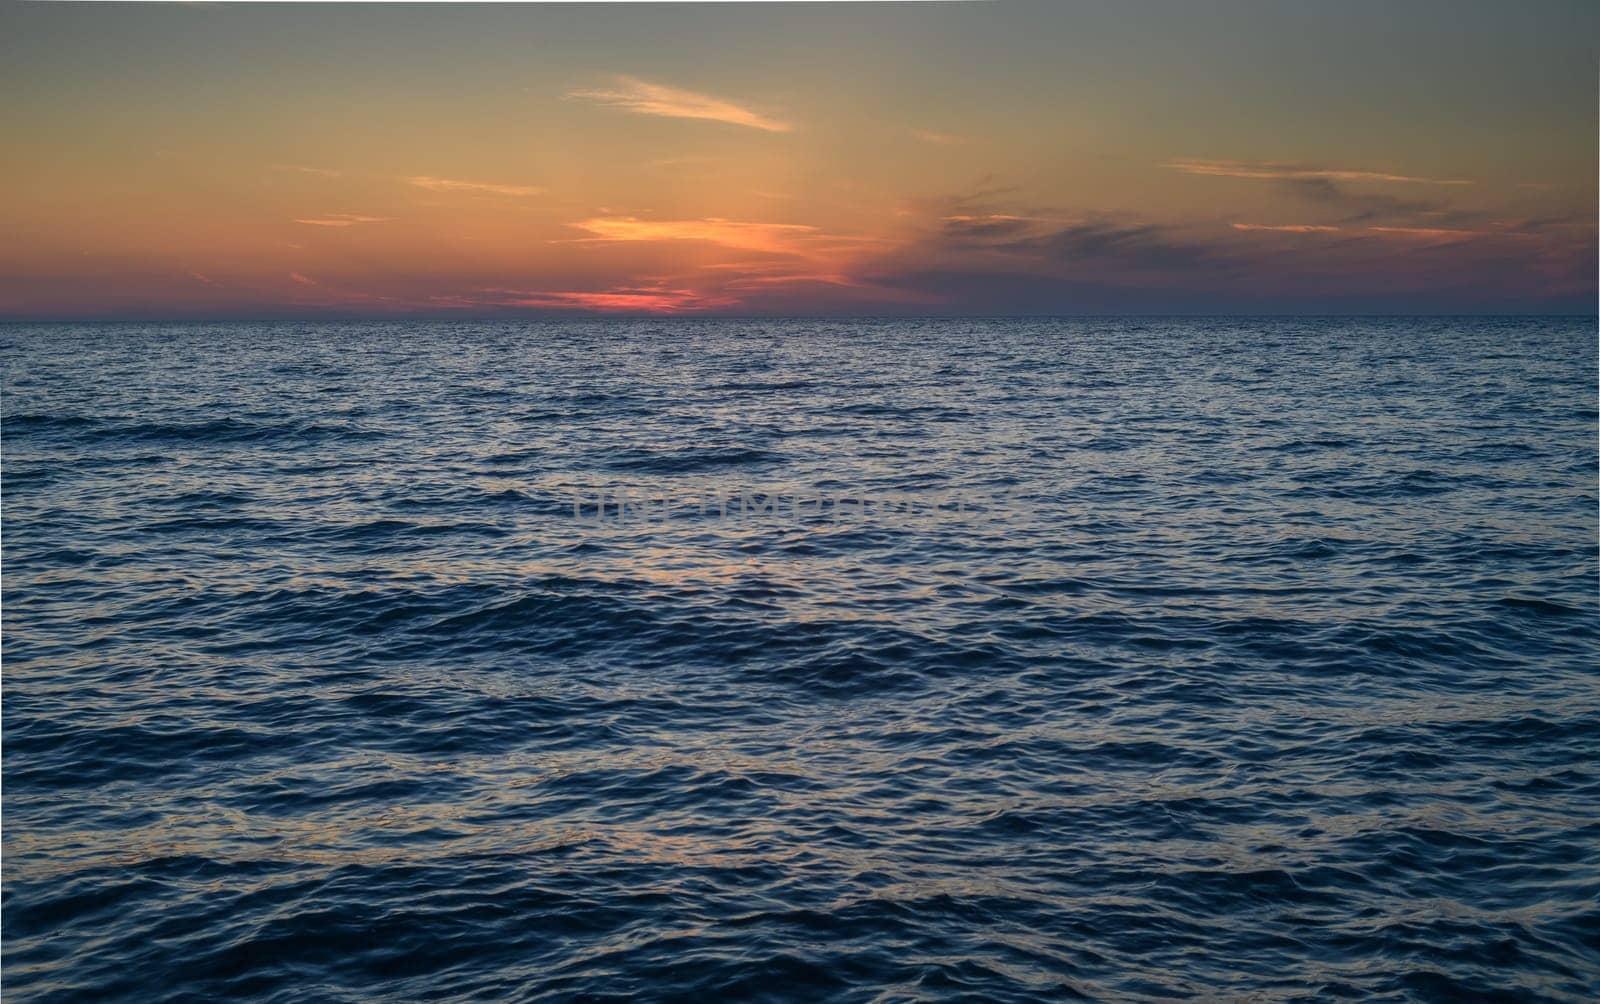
{"x": 1287, "y": 689}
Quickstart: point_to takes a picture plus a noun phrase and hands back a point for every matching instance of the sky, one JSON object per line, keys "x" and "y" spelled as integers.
{"x": 215, "y": 161}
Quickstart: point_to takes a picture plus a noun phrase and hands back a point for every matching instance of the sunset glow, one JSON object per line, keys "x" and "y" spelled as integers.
{"x": 810, "y": 159}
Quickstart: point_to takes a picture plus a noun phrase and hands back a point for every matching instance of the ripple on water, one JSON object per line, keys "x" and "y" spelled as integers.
{"x": 314, "y": 685}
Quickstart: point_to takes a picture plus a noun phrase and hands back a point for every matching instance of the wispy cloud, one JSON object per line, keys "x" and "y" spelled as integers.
{"x": 645, "y": 98}
{"x": 1125, "y": 247}
{"x": 1362, "y": 206}
{"x": 984, "y": 197}
{"x": 1286, "y": 228}
{"x": 321, "y": 172}
{"x": 1281, "y": 171}
{"x": 342, "y": 220}
{"x": 1348, "y": 249}
{"x": 982, "y": 228}
{"x": 938, "y": 138}
{"x": 449, "y": 185}
{"x": 683, "y": 161}
{"x": 1436, "y": 233}
{"x": 777, "y": 238}
{"x": 781, "y": 260}
{"x": 615, "y": 300}
{"x": 304, "y": 280}
{"x": 1051, "y": 238}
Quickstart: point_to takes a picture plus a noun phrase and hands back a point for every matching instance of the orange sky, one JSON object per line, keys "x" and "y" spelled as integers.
{"x": 275, "y": 161}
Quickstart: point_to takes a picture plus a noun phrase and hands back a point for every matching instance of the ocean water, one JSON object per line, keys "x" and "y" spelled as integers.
{"x": 1259, "y": 659}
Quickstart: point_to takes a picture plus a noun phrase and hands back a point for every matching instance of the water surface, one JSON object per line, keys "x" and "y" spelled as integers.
{"x": 315, "y": 689}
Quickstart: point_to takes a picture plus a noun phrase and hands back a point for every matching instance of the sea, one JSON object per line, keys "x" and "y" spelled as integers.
{"x": 884, "y": 660}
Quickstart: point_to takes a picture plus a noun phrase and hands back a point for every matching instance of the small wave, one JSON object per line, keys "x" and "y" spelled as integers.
{"x": 687, "y": 461}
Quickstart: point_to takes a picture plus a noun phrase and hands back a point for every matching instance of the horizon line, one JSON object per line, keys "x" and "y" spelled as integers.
{"x": 416, "y": 319}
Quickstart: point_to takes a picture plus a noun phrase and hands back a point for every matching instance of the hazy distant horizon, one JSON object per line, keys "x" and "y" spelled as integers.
{"x": 837, "y": 318}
